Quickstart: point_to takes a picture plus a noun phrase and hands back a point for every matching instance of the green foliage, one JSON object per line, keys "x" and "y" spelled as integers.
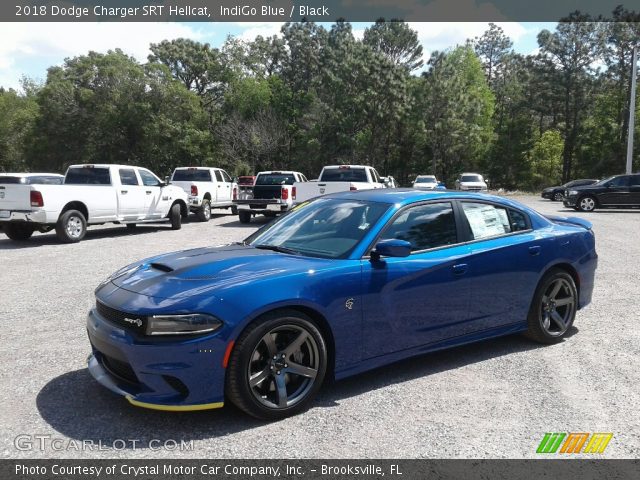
{"x": 18, "y": 114}
{"x": 546, "y": 160}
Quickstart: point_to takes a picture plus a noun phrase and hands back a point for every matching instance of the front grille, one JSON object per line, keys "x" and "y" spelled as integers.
{"x": 119, "y": 369}
{"x": 129, "y": 321}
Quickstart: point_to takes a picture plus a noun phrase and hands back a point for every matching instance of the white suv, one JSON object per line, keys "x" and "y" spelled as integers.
{"x": 473, "y": 182}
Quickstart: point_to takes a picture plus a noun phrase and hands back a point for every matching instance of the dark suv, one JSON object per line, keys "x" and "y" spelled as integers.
{"x": 616, "y": 191}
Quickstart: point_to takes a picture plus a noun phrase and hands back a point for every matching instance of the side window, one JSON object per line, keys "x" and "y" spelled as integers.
{"x": 148, "y": 178}
{"x": 486, "y": 220}
{"x": 424, "y": 226}
{"x": 226, "y": 176}
{"x": 219, "y": 176}
{"x": 374, "y": 175}
{"x": 519, "y": 221}
{"x": 619, "y": 182}
{"x": 128, "y": 176}
{"x": 635, "y": 181}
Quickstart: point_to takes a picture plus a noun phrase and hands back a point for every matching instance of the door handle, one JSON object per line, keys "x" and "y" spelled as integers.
{"x": 124, "y": 191}
{"x": 148, "y": 192}
{"x": 535, "y": 250}
{"x": 460, "y": 269}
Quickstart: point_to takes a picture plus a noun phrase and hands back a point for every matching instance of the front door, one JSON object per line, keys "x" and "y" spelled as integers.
{"x": 153, "y": 201}
{"x": 421, "y": 299}
{"x": 617, "y": 192}
{"x": 130, "y": 195}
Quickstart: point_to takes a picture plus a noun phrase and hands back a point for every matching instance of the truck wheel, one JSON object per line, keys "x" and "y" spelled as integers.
{"x": 18, "y": 231}
{"x": 71, "y": 226}
{"x": 175, "y": 216}
{"x": 204, "y": 214}
{"x": 245, "y": 217}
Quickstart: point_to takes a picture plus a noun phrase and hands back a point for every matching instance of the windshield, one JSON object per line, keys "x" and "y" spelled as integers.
{"x": 275, "y": 179}
{"x": 344, "y": 174}
{"x": 471, "y": 178}
{"x": 192, "y": 175}
{"x": 606, "y": 180}
{"x": 425, "y": 180}
{"x": 325, "y": 228}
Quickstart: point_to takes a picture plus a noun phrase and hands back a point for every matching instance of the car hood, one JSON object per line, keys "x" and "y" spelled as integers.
{"x": 204, "y": 271}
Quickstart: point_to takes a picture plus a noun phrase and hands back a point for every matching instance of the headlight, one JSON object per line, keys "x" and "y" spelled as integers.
{"x": 572, "y": 192}
{"x": 182, "y": 324}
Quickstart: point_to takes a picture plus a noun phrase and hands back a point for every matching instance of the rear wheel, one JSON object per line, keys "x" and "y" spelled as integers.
{"x": 553, "y": 308}
{"x": 277, "y": 366}
{"x": 244, "y": 216}
{"x": 204, "y": 214}
{"x": 175, "y": 216}
{"x": 587, "y": 204}
{"x": 18, "y": 231}
{"x": 71, "y": 226}
{"x": 557, "y": 197}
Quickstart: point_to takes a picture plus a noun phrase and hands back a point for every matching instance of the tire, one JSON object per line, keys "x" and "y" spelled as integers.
{"x": 587, "y": 203}
{"x": 295, "y": 343}
{"x": 175, "y": 216}
{"x": 244, "y": 216}
{"x": 552, "y": 314}
{"x": 18, "y": 231}
{"x": 131, "y": 226}
{"x": 71, "y": 226}
{"x": 557, "y": 197}
{"x": 204, "y": 213}
{"x": 234, "y": 210}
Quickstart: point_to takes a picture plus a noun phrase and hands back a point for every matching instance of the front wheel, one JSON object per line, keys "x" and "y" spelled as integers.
{"x": 175, "y": 216}
{"x": 587, "y": 204}
{"x": 18, "y": 231}
{"x": 553, "y": 308}
{"x": 277, "y": 366}
{"x": 557, "y": 197}
{"x": 71, "y": 226}
{"x": 234, "y": 210}
{"x": 244, "y": 216}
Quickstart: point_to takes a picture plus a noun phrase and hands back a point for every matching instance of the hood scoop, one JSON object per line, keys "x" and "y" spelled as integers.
{"x": 161, "y": 266}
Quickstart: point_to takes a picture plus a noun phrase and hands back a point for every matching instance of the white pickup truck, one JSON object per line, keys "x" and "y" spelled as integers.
{"x": 338, "y": 178}
{"x": 273, "y": 193}
{"x": 90, "y": 195}
{"x": 207, "y": 188}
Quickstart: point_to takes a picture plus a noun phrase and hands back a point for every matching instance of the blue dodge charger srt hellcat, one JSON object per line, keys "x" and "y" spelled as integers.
{"x": 341, "y": 284}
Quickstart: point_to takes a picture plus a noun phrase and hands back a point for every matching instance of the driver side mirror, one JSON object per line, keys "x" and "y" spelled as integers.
{"x": 392, "y": 248}
{"x": 167, "y": 180}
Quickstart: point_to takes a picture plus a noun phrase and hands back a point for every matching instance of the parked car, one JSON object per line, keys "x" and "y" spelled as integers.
{"x": 207, "y": 188}
{"x": 425, "y": 182}
{"x": 473, "y": 182}
{"x": 339, "y": 178}
{"x": 336, "y": 287}
{"x": 273, "y": 194}
{"x": 245, "y": 186}
{"x": 617, "y": 191}
{"x": 31, "y": 179}
{"x": 90, "y": 195}
{"x": 556, "y": 193}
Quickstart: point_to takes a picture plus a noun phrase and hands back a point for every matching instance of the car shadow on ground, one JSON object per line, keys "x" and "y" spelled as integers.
{"x": 77, "y": 407}
{"x": 256, "y": 222}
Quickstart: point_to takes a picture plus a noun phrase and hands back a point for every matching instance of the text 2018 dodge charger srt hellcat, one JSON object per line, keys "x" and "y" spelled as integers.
{"x": 335, "y": 287}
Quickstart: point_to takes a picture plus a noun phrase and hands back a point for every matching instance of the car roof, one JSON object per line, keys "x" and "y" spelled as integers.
{"x": 409, "y": 195}
{"x": 30, "y": 174}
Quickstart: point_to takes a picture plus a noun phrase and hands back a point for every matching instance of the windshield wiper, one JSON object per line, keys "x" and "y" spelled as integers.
{"x": 276, "y": 248}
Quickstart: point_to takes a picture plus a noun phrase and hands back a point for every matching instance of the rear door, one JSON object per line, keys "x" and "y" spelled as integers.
{"x": 616, "y": 192}
{"x": 506, "y": 259}
{"x": 131, "y": 196}
{"x": 634, "y": 189}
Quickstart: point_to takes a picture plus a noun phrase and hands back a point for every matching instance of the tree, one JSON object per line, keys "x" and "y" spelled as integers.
{"x": 397, "y": 41}
{"x": 18, "y": 114}
{"x": 571, "y": 51}
{"x": 491, "y": 48}
{"x": 546, "y": 160}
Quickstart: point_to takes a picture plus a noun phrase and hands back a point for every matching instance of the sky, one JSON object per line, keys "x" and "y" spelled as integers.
{"x": 28, "y": 49}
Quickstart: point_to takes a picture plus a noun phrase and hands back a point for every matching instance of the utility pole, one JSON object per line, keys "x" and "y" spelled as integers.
{"x": 632, "y": 111}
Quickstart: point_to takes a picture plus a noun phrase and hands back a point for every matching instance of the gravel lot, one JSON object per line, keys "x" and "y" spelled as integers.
{"x": 489, "y": 400}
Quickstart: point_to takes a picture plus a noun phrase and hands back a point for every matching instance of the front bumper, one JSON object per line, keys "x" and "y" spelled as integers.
{"x": 173, "y": 375}
{"x": 30, "y": 216}
{"x": 569, "y": 201}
